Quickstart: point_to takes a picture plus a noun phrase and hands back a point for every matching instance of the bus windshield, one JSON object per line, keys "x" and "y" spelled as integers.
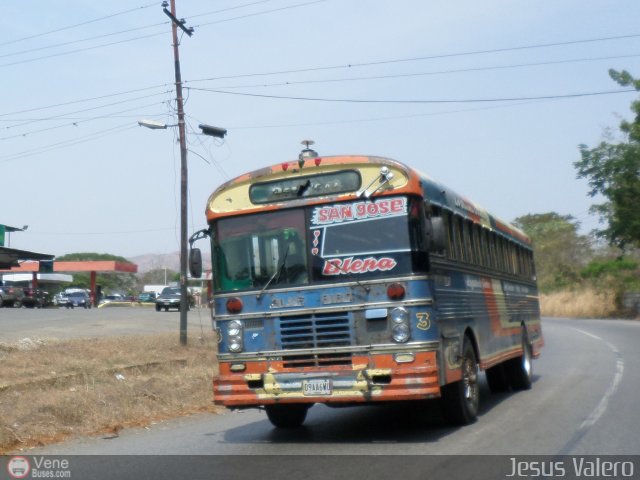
{"x": 251, "y": 250}
{"x": 287, "y": 248}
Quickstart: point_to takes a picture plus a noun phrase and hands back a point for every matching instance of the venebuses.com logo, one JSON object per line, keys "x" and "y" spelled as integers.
{"x": 38, "y": 467}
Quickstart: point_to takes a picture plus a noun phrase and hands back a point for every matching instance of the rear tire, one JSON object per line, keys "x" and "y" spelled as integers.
{"x": 460, "y": 399}
{"x": 287, "y": 416}
{"x": 520, "y": 370}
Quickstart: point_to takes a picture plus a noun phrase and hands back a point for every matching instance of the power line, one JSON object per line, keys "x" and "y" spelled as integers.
{"x": 69, "y": 27}
{"x": 135, "y": 29}
{"x": 142, "y": 37}
{"x": 214, "y": 12}
{"x": 384, "y": 118}
{"x": 438, "y": 72}
{"x": 73, "y": 123}
{"x": 289, "y": 7}
{"x": 82, "y": 100}
{"x": 66, "y": 143}
{"x": 70, "y": 52}
{"x": 217, "y": 164}
{"x": 421, "y": 58}
{"x": 414, "y": 101}
{"x": 82, "y": 40}
{"x": 86, "y": 110}
{"x": 318, "y": 81}
{"x": 80, "y": 119}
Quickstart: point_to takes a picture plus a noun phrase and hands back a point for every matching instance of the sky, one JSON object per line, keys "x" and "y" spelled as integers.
{"x": 490, "y": 98}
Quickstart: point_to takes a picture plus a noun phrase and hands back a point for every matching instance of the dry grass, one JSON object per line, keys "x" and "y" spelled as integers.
{"x": 586, "y": 303}
{"x": 51, "y": 391}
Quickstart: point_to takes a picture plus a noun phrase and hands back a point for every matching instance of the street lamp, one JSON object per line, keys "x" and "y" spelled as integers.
{"x": 206, "y": 130}
{"x": 153, "y": 124}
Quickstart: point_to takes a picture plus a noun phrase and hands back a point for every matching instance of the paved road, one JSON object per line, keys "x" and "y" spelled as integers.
{"x": 61, "y": 323}
{"x": 584, "y": 401}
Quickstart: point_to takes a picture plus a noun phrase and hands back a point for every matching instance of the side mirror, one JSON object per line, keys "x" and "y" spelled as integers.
{"x": 195, "y": 262}
{"x": 436, "y": 236}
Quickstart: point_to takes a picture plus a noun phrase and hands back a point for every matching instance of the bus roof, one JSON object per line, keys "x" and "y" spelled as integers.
{"x": 234, "y": 196}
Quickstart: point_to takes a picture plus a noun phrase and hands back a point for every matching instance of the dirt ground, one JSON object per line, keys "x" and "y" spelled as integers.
{"x": 51, "y": 389}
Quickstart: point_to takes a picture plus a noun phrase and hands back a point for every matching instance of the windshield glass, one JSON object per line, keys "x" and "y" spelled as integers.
{"x": 365, "y": 239}
{"x": 251, "y": 249}
{"x": 171, "y": 291}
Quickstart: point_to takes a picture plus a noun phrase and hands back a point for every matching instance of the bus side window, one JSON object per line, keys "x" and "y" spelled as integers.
{"x": 472, "y": 242}
{"x": 457, "y": 237}
{"x": 493, "y": 261}
{"x": 448, "y": 222}
{"x": 477, "y": 248}
{"x": 484, "y": 248}
{"x": 466, "y": 241}
{"x": 514, "y": 258}
{"x": 500, "y": 253}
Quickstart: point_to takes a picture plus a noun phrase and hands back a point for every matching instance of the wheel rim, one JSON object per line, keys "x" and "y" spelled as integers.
{"x": 470, "y": 381}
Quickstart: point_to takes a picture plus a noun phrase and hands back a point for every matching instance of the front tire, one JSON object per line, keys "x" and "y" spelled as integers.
{"x": 287, "y": 416}
{"x": 460, "y": 399}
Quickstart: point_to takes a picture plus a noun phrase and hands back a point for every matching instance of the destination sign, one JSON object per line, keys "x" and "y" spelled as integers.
{"x": 331, "y": 214}
{"x": 307, "y": 186}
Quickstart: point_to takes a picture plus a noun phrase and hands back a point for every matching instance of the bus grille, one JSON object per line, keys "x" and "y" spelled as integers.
{"x": 322, "y": 330}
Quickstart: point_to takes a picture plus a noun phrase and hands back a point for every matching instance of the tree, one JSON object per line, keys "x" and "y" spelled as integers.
{"x": 120, "y": 282}
{"x": 560, "y": 252}
{"x": 613, "y": 171}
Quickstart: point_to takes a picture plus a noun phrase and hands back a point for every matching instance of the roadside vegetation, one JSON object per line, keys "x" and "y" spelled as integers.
{"x": 596, "y": 275}
{"x": 50, "y": 391}
{"x": 580, "y": 275}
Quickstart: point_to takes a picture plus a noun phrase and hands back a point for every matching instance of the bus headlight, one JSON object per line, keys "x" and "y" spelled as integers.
{"x": 234, "y": 336}
{"x": 399, "y": 315}
{"x": 400, "y": 331}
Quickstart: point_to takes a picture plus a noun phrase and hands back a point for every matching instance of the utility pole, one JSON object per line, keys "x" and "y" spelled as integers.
{"x": 184, "y": 294}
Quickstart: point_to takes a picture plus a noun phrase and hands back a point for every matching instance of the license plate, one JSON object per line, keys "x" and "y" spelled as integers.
{"x": 316, "y": 386}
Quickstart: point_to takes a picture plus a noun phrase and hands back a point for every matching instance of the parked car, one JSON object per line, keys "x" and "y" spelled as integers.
{"x": 34, "y": 298}
{"x": 60, "y": 299}
{"x": 78, "y": 299}
{"x": 11, "y": 296}
{"x": 147, "y": 297}
{"x": 170, "y": 298}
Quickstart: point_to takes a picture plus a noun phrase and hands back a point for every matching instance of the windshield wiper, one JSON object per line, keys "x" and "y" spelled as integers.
{"x": 384, "y": 178}
{"x": 276, "y": 274}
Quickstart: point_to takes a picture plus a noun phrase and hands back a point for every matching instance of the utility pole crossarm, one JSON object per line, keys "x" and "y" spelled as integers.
{"x": 179, "y": 23}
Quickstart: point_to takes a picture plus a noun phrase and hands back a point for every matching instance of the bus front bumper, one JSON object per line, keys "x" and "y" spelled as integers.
{"x": 369, "y": 378}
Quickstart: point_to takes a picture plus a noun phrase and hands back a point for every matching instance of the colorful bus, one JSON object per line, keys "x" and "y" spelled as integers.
{"x": 351, "y": 280}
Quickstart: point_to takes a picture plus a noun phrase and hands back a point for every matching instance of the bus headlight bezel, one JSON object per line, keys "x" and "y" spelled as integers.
{"x": 235, "y": 333}
{"x": 399, "y": 315}
{"x": 400, "y": 330}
